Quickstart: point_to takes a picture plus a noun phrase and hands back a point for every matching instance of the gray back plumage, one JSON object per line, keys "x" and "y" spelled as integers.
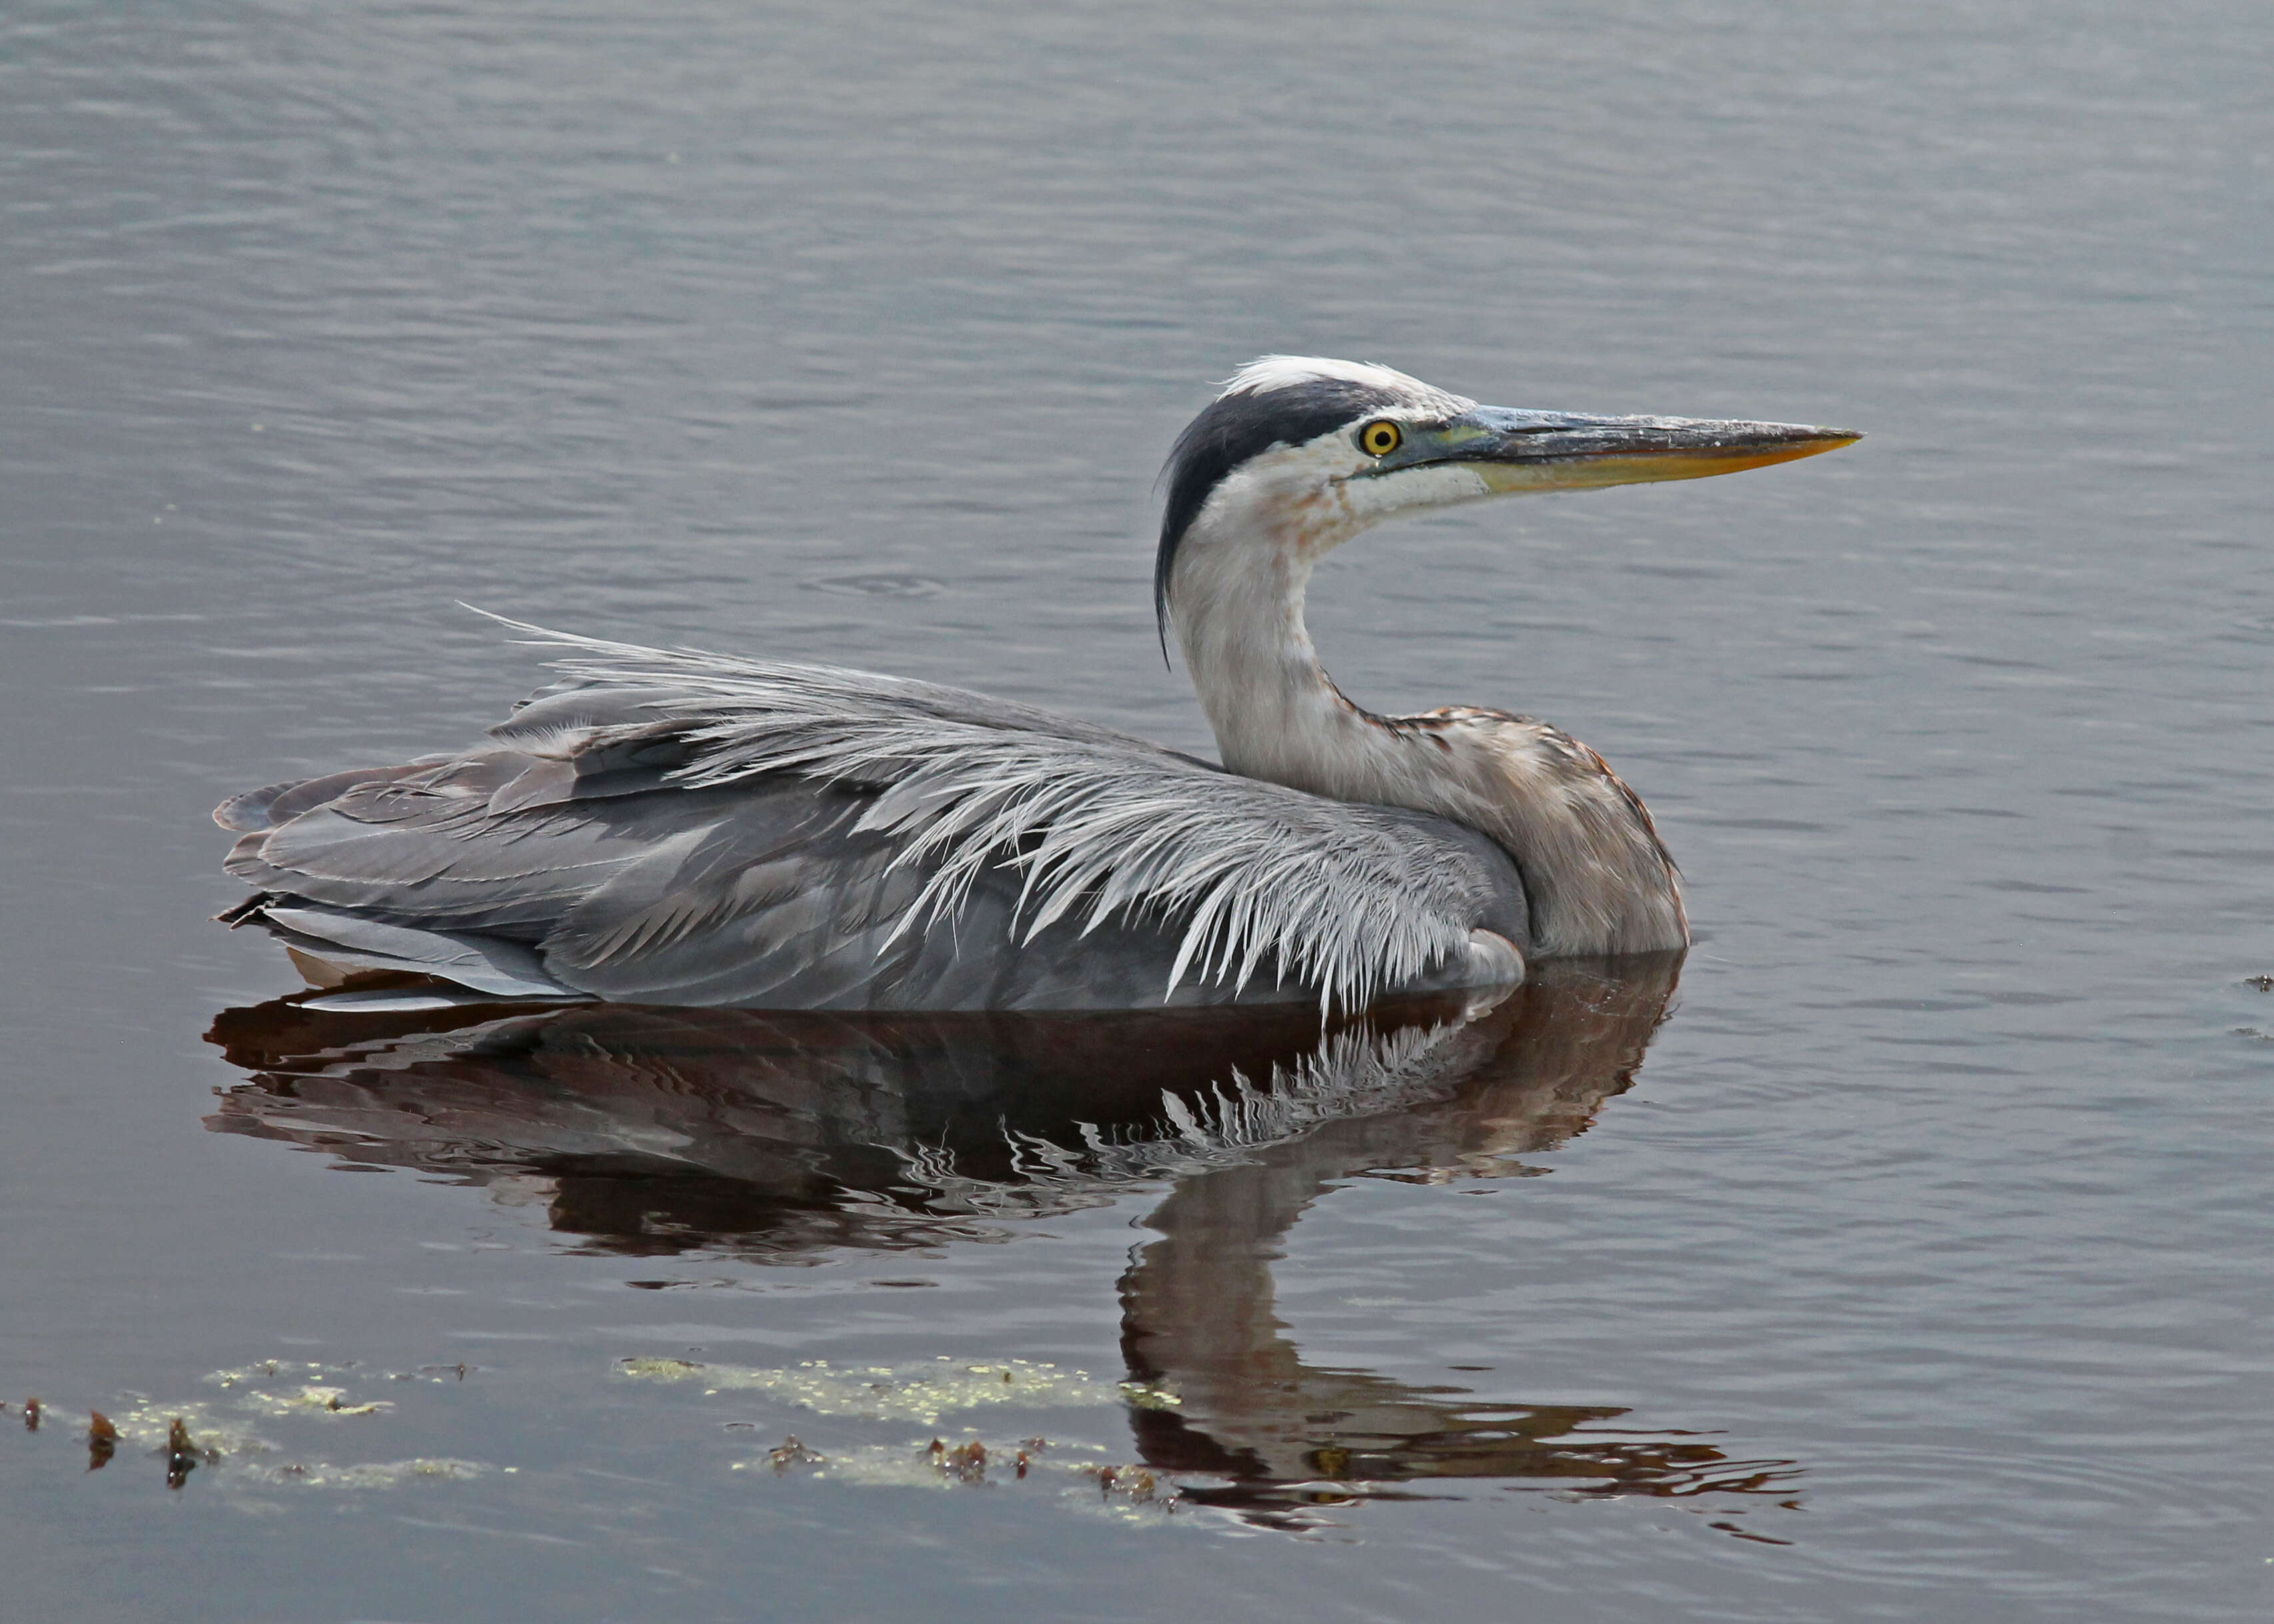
{"x": 678, "y": 827}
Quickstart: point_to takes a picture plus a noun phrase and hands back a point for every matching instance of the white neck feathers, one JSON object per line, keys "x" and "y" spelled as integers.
{"x": 1598, "y": 878}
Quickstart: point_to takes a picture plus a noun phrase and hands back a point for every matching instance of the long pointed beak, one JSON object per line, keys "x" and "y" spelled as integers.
{"x": 1557, "y": 451}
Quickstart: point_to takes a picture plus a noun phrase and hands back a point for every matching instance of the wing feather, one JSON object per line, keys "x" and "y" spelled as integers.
{"x": 1100, "y": 827}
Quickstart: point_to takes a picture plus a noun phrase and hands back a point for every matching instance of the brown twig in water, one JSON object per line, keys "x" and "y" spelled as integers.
{"x": 101, "y": 1441}
{"x": 182, "y": 1454}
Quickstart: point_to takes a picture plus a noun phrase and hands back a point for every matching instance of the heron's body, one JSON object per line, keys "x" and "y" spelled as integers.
{"x": 679, "y": 827}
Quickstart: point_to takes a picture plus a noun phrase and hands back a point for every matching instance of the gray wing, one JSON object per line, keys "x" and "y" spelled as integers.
{"x": 681, "y": 828}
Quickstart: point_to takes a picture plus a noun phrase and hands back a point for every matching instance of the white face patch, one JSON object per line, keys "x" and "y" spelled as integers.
{"x": 1373, "y": 498}
{"x": 1313, "y": 498}
{"x": 1334, "y": 467}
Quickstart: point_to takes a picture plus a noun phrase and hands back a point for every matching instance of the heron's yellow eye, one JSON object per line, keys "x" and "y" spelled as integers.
{"x": 1379, "y": 437}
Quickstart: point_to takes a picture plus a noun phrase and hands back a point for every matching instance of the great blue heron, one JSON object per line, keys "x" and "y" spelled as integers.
{"x": 675, "y": 827}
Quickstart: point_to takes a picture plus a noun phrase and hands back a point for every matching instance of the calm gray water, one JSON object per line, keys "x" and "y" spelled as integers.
{"x": 1918, "y": 1271}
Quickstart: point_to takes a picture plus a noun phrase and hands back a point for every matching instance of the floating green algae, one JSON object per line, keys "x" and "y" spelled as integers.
{"x": 919, "y": 1393}
{"x": 362, "y": 1475}
{"x": 317, "y": 1400}
{"x": 150, "y": 1426}
{"x": 1080, "y": 1476}
{"x": 219, "y": 1440}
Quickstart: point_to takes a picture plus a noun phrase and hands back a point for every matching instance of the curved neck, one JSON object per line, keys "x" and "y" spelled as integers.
{"x": 1276, "y": 714}
{"x": 1597, "y": 876}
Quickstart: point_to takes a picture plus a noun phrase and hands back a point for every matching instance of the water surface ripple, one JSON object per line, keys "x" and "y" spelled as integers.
{"x": 1906, "y": 1262}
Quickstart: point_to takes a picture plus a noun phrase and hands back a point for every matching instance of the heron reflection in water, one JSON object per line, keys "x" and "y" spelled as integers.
{"x": 681, "y": 827}
{"x": 801, "y": 1136}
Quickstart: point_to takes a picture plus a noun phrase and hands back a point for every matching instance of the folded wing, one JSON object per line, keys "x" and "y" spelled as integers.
{"x": 675, "y": 827}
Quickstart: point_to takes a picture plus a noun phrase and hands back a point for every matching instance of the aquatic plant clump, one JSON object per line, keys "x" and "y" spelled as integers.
{"x": 918, "y": 1393}
{"x": 218, "y": 1442}
{"x": 1078, "y": 1474}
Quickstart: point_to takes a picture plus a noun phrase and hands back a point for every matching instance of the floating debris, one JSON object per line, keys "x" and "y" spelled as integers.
{"x": 101, "y": 1441}
{"x": 1133, "y": 1483}
{"x": 1128, "y": 1493}
{"x": 188, "y": 1436}
{"x": 183, "y": 1455}
{"x": 918, "y": 1393}
{"x": 667, "y": 1370}
{"x": 152, "y": 1424}
{"x": 790, "y": 1452}
{"x": 366, "y": 1475}
{"x": 330, "y": 1400}
{"x": 269, "y": 1368}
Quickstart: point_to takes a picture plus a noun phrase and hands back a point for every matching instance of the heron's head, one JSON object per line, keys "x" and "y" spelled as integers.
{"x": 1299, "y": 453}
